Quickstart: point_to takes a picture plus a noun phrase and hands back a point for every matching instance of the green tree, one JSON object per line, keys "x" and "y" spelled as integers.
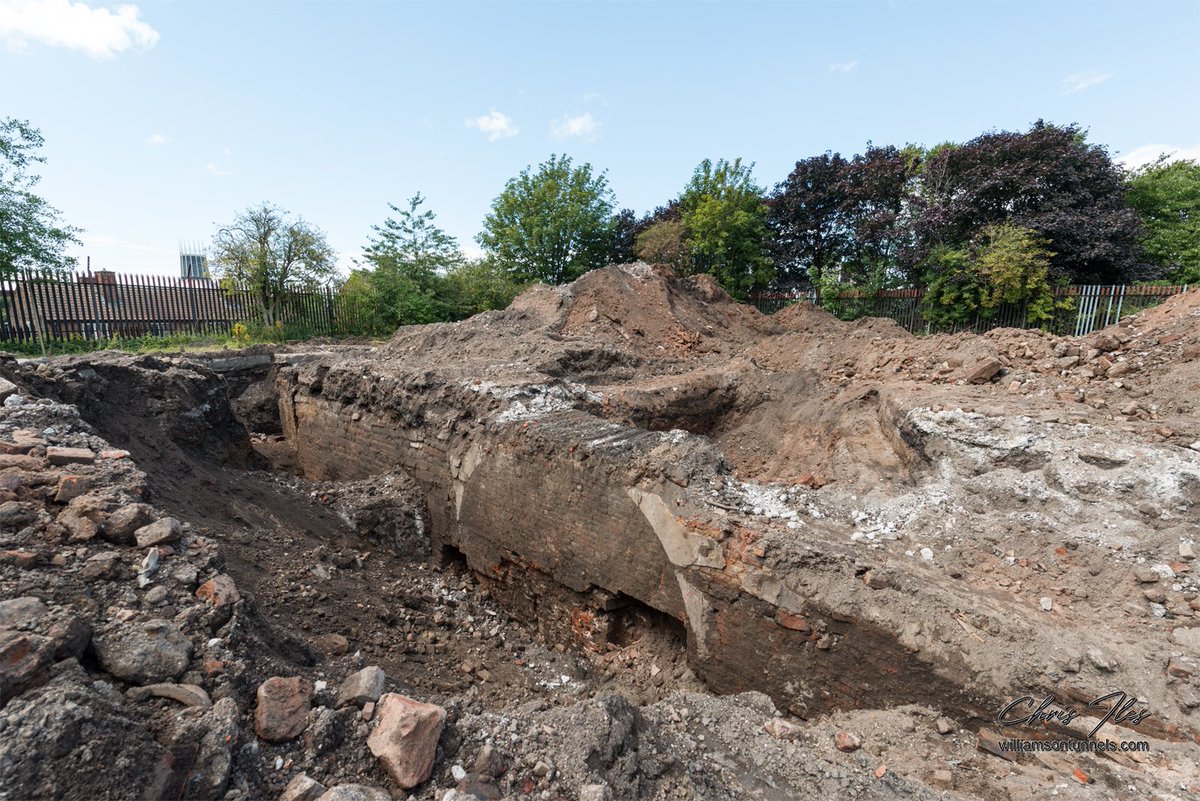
{"x": 955, "y": 289}
{"x": 477, "y": 286}
{"x": 552, "y": 224}
{"x": 1167, "y": 195}
{"x": 414, "y": 240}
{"x": 665, "y": 243}
{"x": 1004, "y": 264}
{"x": 726, "y": 222}
{"x": 358, "y": 293}
{"x": 267, "y": 252}
{"x": 409, "y": 258}
{"x": 31, "y": 235}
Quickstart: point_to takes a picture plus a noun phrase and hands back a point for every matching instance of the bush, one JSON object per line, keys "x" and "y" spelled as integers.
{"x": 477, "y": 286}
{"x": 1005, "y": 264}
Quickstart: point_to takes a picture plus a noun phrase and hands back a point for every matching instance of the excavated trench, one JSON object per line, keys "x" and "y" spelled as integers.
{"x": 569, "y": 523}
{"x": 549, "y": 500}
{"x": 591, "y": 489}
{"x": 594, "y": 534}
{"x": 319, "y": 559}
{"x": 548, "y": 519}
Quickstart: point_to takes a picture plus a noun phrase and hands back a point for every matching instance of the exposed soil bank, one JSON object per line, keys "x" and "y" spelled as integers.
{"x": 570, "y": 522}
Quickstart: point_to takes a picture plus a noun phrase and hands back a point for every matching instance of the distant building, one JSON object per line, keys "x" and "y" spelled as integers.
{"x": 193, "y": 265}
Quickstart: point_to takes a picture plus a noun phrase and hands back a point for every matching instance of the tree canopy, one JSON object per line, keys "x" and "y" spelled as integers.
{"x": 1049, "y": 180}
{"x": 409, "y": 255}
{"x": 551, "y": 224}
{"x": 665, "y": 243}
{"x": 845, "y": 219}
{"x": 806, "y": 215}
{"x": 1167, "y": 195}
{"x": 266, "y": 250}
{"x": 725, "y": 223}
{"x": 31, "y": 234}
{"x": 1003, "y": 264}
{"x": 415, "y": 273}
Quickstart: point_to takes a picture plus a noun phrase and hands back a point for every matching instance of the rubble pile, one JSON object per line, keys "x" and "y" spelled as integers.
{"x": 627, "y": 539}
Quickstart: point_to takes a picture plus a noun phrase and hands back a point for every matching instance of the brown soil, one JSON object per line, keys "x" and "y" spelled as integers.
{"x": 837, "y": 453}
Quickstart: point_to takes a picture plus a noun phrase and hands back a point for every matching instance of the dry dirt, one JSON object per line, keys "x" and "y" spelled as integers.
{"x": 1005, "y": 514}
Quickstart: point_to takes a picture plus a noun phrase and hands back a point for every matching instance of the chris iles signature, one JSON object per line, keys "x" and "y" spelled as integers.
{"x": 1028, "y": 711}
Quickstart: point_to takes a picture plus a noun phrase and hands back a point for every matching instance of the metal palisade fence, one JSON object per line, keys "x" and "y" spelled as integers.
{"x": 58, "y": 306}
{"x": 1078, "y": 309}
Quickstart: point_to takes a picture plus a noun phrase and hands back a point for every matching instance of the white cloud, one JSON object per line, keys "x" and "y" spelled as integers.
{"x": 1083, "y": 80}
{"x": 584, "y": 125}
{"x": 99, "y": 32}
{"x": 1147, "y": 154}
{"x": 157, "y": 140}
{"x": 212, "y": 168}
{"x": 495, "y": 124}
{"x": 844, "y": 66}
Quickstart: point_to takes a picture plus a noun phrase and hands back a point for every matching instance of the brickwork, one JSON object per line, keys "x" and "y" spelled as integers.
{"x": 550, "y": 511}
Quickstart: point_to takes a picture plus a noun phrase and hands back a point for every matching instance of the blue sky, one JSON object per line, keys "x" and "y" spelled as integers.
{"x": 165, "y": 118}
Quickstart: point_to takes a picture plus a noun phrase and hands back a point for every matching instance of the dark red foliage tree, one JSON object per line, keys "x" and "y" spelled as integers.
{"x": 1048, "y": 179}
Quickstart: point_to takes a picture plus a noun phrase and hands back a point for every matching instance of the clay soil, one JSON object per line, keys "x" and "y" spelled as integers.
{"x": 806, "y": 412}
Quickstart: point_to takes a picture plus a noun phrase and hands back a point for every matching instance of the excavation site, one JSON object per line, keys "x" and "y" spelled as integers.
{"x": 625, "y": 539}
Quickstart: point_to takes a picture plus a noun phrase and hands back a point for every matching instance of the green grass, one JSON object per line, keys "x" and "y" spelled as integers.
{"x": 172, "y": 343}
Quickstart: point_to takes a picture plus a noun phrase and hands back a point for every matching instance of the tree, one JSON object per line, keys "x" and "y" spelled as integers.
{"x": 954, "y": 289}
{"x": 270, "y": 254}
{"x": 1004, "y": 264}
{"x": 845, "y": 221}
{"x": 875, "y": 192}
{"x": 625, "y": 230}
{"x": 665, "y": 243}
{"x": 410, "y": 257}
{"x": 1014, "y": 263}
{"x": 1167, "y": 195}
{"x": 477, "y": 286}
{"x": 358, "y": 292}
{"x": 552, "y": 224}
{"x": 1049, "y": 180}
{"x": 31, "y": 235}
{"x": 414, "y": 240}
{"x": 725, "y": 219}
{"x": 811, "y": 238}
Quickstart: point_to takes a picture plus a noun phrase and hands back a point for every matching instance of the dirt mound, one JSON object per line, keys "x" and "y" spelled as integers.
{"x": 643, "y": 311}
{"x": 804, "y": 317}
{"x": 1176, "y": 314}
{"x": 800, "y": 395}
{"x": 655, "y": 313}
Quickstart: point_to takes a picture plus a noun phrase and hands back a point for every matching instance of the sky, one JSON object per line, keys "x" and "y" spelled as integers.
{"x": 165, "y": 119}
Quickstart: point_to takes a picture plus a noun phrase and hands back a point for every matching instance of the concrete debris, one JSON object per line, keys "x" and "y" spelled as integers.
{"x": 302, "y": 788}
{"x": 282, "y": 708}
{"x": 583, "y": 526}
{"x": 362, "y": 687}
{"x": 144, "y": 653}
{"x": 355, "y": 792}
{"x": 405, "y": 738}
{"x": 160, "y": 532}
